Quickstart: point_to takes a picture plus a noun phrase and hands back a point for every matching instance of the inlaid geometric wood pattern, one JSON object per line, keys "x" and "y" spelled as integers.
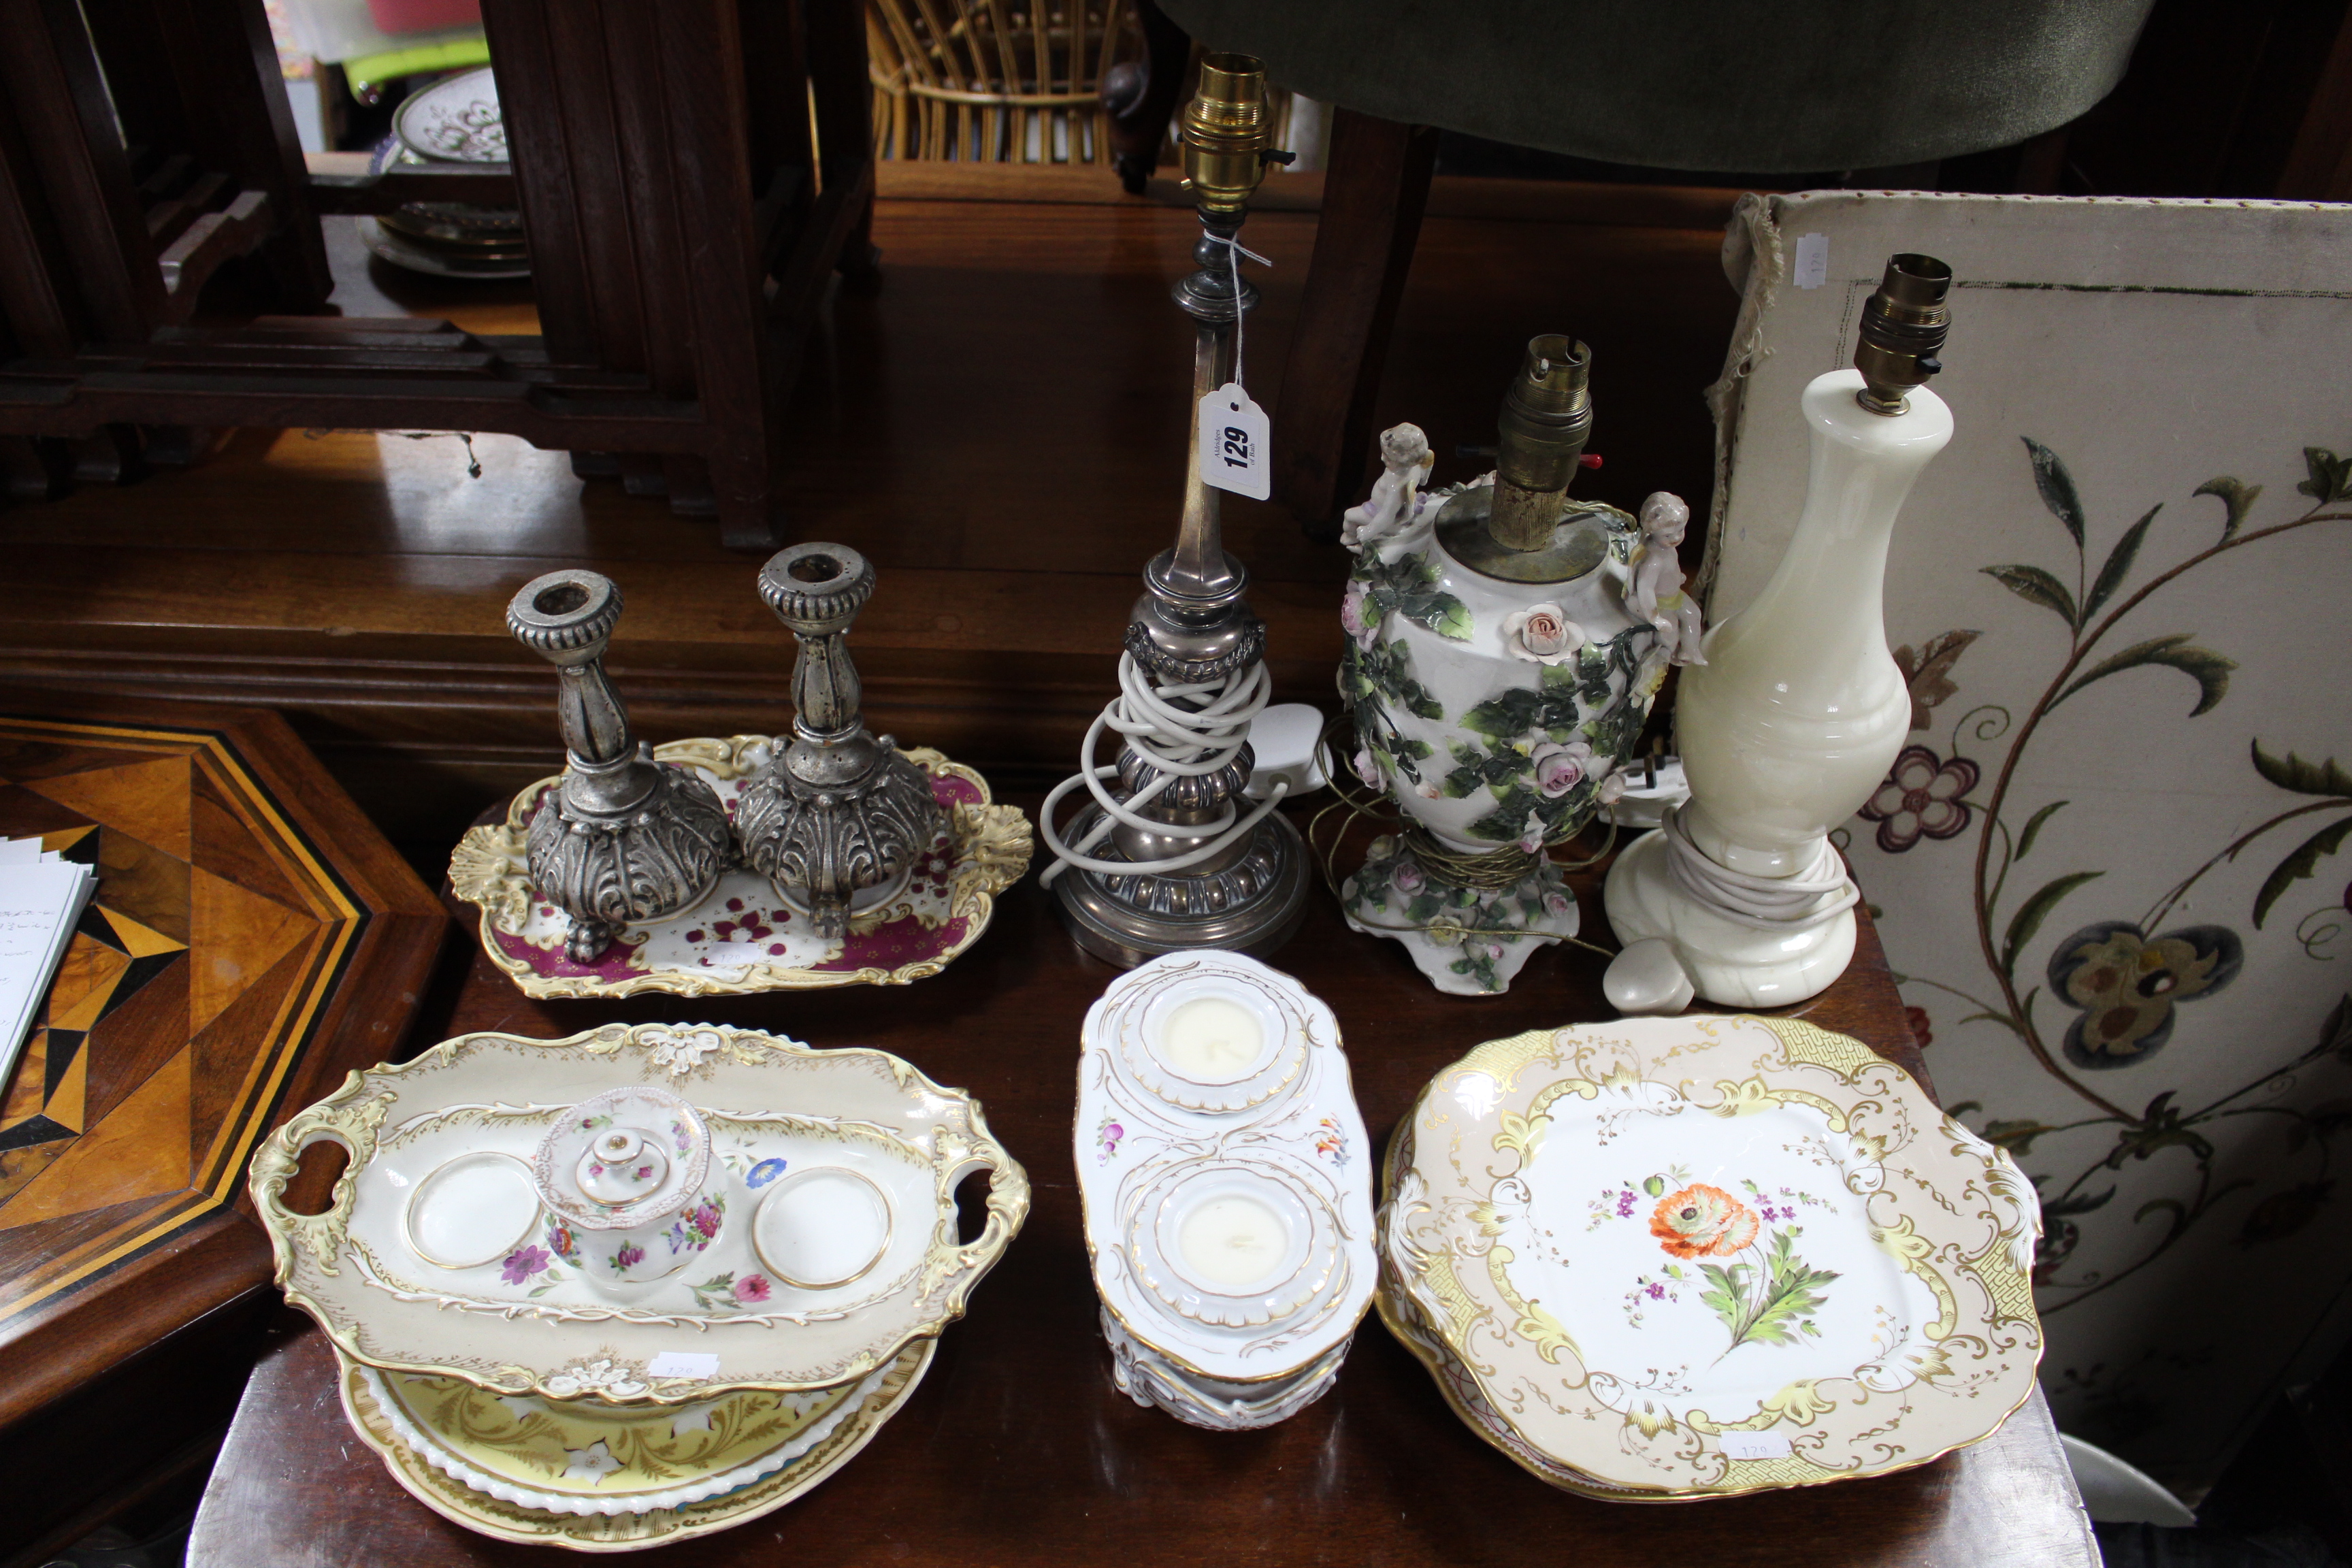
{"x": 194, "y": 979}
{"x": 245, "y": 917}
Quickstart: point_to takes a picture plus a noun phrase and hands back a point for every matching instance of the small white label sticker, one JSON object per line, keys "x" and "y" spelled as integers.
{"x": 1232, "y": 443}
{"x": 1813, "y": 268}
{"x": 1756, "y": 1445}
{"x": 701, "y": 1363}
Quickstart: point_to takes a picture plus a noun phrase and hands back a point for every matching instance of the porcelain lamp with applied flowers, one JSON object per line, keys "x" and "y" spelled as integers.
{"x": 1494, "y": 711}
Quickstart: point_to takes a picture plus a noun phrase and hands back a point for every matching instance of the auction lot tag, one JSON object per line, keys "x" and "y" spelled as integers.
{"x": 1754, "y": 1445}
{"x": 1232, "y": 443}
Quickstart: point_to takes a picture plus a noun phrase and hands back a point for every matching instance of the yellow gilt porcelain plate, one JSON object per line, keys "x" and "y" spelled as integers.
{"x": 1682, "y": 1257}
{"x": 875, "y": 1401}
{"x": 583, "y": 1456}
{"x": 742, "y": 937}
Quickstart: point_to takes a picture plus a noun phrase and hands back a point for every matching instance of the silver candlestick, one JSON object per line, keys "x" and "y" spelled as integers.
{"x": 622, "y": 839}
{"x": 1177, "y": 858}
{"x": 836, "y": 815}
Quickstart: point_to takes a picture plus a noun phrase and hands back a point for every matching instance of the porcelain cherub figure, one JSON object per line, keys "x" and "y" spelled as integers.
{"x": 1655, "y": 591}
{"x": 1385, "y": 521}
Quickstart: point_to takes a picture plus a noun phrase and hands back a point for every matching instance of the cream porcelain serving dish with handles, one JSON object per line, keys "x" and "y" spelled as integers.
{"x": 784, "y": 1217}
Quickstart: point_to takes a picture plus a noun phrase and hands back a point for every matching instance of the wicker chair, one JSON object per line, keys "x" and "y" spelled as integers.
{"x": 980, "y": 80}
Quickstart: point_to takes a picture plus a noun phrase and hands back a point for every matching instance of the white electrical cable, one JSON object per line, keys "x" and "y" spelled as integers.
{"x": 1761, "y": 903}
{"x": 1184, "y": 728}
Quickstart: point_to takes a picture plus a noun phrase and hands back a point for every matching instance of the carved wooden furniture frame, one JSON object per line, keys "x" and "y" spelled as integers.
{"x": 688, "y": 174}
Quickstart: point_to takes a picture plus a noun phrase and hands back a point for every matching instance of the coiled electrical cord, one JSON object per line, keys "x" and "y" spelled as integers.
{"x": 1759, "y": 904}
{"x": 1185, "y": 730}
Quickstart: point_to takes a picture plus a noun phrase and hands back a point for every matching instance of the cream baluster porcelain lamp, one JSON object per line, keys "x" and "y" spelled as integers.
{"x": 1799, "y": 710}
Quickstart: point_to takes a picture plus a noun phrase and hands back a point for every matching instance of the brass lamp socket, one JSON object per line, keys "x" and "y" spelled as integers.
{"x": 1902, "y": 331}
{"x": 1226, "y": 133}
{"x": 1546, "y": 417}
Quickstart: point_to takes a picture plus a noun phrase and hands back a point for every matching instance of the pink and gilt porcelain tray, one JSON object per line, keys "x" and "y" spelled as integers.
{"x": 742, "y": 937}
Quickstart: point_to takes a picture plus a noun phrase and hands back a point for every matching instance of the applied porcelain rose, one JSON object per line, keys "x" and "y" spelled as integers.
{"x": 1495, "y": 714}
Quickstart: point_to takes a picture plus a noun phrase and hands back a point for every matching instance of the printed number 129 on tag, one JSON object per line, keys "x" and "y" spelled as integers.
{"x": 1232, "y": 443}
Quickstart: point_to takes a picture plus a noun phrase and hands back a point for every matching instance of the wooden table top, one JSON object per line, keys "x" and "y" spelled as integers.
{"x": 1017, "y": 1448}
{"x": 251, "y": 940}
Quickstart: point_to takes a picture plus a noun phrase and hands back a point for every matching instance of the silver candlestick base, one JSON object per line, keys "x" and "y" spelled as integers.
{"x": 837, "y": 815}
{"x": 622, "y": 839}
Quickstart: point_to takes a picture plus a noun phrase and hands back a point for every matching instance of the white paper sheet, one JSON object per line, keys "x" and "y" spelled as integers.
{"x": 39, "y": 902}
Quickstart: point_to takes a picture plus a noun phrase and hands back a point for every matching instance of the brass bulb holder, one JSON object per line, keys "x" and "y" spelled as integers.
{"x": 1546, "y": 420}
{"x": 1226, "y": 133}
{"x": 1902, "y": 331}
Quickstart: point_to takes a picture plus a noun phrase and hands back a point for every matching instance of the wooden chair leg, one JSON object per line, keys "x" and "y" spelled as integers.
{"x": 688, "y": 479}
{"x": 35, "y": 468}
{"x": 1372, "y": 201}
{"x": 113, "y": 455}
{"x": 844, "y": 120}
{"x": 180, "y": 445}
{"x": 643, "y": 474}
{"x": 861, "y": 259}
{"x": 1139, "y": 96}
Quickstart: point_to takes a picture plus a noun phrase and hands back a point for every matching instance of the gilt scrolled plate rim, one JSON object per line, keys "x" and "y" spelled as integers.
{"x": 990, "y": 847}
{"x": 1143, "y": 1014}
{"x": 503, "y": 1521}
{"x": 459, "y": 1454}
{"x": 1933, "y": 1228}
{"x": 1405, "y": 1319}
{"x": 593, "y": 1348}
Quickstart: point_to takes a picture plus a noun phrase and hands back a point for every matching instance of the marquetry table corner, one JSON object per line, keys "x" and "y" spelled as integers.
{"x": 252, "y": 938}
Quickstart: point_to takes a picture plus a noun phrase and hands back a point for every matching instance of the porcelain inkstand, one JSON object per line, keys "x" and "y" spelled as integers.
{"x": 1799, "y": 710}
{"x": 1503, "y": 645}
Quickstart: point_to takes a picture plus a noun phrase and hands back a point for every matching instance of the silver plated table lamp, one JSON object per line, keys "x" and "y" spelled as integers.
{"x": 1170, "y": 855}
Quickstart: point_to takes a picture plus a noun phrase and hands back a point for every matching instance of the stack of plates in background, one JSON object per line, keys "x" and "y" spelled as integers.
{"x": 641, "y": 1284}
{"x": 1669, "y": 1258}
{"x": 454, "y": 121}
{"x": 1228, "y": 1201}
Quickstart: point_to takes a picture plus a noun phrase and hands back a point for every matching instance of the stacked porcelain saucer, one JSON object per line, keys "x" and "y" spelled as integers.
{"x": 1669, "y": 1258}
{"x": 643, "y": 1283}
{"x": 454, "y": 121}
{"x": 1228, "y": 1208}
